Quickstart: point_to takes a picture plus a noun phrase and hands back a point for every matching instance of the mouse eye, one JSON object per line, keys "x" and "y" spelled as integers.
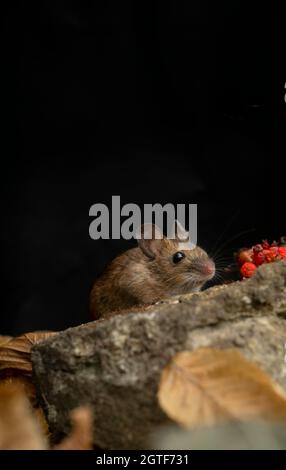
{"x": 178, "y": 257}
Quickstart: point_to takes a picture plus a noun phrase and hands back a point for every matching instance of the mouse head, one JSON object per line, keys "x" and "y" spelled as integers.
{"x": 179, "y": 264}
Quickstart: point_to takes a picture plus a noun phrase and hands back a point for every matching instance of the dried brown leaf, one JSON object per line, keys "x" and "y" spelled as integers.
{"x": 25, "y": 386}
{"x": 23, "y": 383}
{"x": 80, "y": 437}
{"x": 15, "y": 353}
{"x": 4, "y": 339}
{"x": 208, "y": 386}
{"x": 19, "y": 428}
{"x": 16, "y": 370}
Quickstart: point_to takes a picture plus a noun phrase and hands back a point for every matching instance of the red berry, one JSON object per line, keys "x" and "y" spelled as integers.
{"x": 250, "y": 259}
{"x": 282, "y": 252}
{"x": 270, "y": 256}
{"x": 265, "y": 244}
{"x": 244, "y": 256}
{"x": 274, "y": 248}
{"x": 258, "y": 258}
{"x": 247, "y": 269}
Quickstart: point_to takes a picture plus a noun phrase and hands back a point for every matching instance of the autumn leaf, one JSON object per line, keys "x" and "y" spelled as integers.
{"x": 19, "y": 428}
{"x": 15, "y": 353}
{"x": 16, "y": 370}
{"x": 208, "y": 386}
{"x": 4, "y": 339}
{"x": 80, "y": 437}
{"x": 24, "y": 428}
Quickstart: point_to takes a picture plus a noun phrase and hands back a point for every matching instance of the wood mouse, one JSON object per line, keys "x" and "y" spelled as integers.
{"x": 157, "y": 268}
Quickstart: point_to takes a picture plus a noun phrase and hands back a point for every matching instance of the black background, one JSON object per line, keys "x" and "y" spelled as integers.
{"x": 155, "y": 102}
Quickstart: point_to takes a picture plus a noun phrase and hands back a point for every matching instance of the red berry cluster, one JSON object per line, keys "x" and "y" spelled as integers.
{"x": 250, "y": 259}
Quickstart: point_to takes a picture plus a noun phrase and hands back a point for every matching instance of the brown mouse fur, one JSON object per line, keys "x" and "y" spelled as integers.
{"x": 148, "y": 273}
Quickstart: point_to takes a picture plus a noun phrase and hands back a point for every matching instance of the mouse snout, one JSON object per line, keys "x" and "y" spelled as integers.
{"x": 205, "y": 267}
{"x": 209, "y": 267}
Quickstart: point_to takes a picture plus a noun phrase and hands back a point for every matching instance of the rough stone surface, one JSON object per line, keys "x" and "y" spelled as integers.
{"x": 115, "y": 364}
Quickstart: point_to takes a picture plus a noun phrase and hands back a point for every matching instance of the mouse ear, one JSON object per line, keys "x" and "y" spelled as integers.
{"x": 149, "y": 238}
{"x": 183, "y": 237}
{"x": 179, "y": 232}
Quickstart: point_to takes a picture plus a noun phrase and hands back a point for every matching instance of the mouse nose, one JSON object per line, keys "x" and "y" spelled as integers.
{"x": 208, "y": 267}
